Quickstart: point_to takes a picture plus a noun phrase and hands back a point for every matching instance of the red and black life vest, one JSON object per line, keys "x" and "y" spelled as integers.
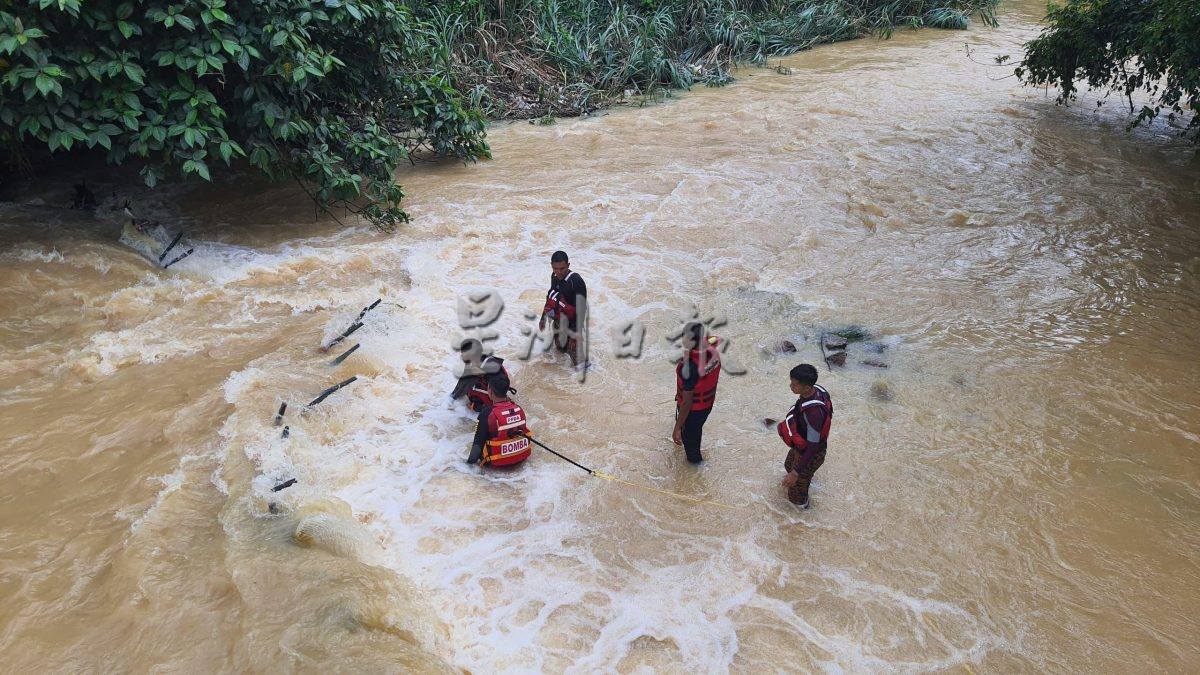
{"x": 479, "y": 397}
{"x": 506, "y": 443}
{"x": 556, "y": 303}
{"x": 794, "y": 428}
{"x": 707, "y": 363}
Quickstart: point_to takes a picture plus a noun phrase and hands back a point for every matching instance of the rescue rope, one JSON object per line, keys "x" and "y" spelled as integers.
{"x": 622, "y": 481}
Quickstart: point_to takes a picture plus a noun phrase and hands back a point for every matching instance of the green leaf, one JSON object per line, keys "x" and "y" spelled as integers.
{"x": 135, "y": 73}
{"x": 186, "y": 22}
{"x": 202, "y": 169}
{"x": 126, "y": 29}
{"x": 279, "y": 39}
{"x": 45, "y": 84}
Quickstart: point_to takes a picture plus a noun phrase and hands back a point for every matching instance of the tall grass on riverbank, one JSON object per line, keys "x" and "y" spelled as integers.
{"x": 531, "y": 58}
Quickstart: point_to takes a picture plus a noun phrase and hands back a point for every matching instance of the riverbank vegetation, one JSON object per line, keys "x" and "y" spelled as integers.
{"x": 336, "y": 94}
{"x": 1127, "y": 48}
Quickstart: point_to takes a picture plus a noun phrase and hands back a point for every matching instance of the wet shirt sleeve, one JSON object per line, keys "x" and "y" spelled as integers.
{"x": 689, "y": 373}
{"x": 577, "y": 289}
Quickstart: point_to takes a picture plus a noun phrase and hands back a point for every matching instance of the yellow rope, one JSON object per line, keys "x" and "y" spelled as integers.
{"x": 662, "y": 492}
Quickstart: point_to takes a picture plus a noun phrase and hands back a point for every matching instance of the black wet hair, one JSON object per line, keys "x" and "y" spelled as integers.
{"x": 469, "y": 344}
{"x": 697, "y": 330}
{"x": 559, "y": 256}
{"x": 804, "y": 374}
{"x": 499, "y": 384}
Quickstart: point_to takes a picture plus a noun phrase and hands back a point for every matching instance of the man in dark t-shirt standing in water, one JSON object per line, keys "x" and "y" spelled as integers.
{"x": 696, "y": 379}
{"x": 566, "y": 306}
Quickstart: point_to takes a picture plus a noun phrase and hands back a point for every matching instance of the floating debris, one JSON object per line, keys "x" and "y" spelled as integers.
{"x": 284, "y": 485}
{"x": 345, "y": 355}
{"x": 325, "y": 394}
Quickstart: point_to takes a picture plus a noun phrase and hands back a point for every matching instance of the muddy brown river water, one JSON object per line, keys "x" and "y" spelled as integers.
{"x": 1019, "y": 490}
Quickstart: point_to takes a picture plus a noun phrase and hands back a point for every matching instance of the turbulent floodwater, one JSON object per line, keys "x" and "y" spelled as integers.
{"x": 1018, "y": 490}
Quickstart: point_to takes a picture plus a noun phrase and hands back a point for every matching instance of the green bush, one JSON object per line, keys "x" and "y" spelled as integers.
{"x": 333, "y": 93}
{"x": 1123, "y": 47}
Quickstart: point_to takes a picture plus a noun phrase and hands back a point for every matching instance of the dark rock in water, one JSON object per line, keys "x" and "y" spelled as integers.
{"x": 836, "y": 358}
{"x": 273, "y": 507}
{"x": 880, "y": 391}
{"x": 832, "y": 341}
{"x": 786, "y": 347}
{"x": 873, "y": 347}
{"x": 768, "y": 422}
{"x": 959, "y": 380}
{"x": 874, "y": 364}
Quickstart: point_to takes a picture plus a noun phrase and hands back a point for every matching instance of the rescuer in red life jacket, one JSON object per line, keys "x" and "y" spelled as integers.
{"x": 695, "y": 388}
{"x": 476, "y": 369}
{"x": 805, "y": 431}
{"x": 566, "y": 301}
{"x": 500, "y": 437}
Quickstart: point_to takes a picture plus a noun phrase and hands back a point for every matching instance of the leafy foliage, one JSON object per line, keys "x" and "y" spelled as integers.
{"x": 538, "y": 57}
{"x": 334, "y": 93}
{"x": 338, "y": 93}
{"x": 1125, "y": 47}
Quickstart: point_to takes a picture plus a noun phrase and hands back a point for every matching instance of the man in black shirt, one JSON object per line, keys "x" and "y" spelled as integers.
{"x": 566, "y": 304}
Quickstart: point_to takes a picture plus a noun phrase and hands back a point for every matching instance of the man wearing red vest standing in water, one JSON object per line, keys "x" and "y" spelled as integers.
{"x": 566, "y": 301}
{"x": 695, "y": 388}
{"x": 501, "y": 435}
{"x": 805, "y": 431}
